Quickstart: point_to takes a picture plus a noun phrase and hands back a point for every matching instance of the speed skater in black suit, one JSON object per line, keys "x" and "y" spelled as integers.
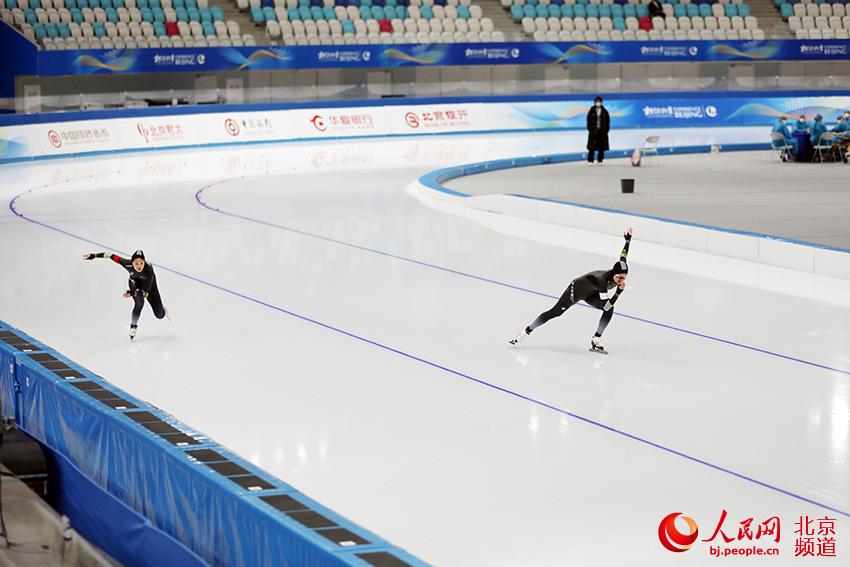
{"x": 141, "y": 285}
{"x": 594, "y": 288}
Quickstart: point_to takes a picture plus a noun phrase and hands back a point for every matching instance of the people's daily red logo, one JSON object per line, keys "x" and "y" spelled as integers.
{"x": 672, "y": 538}
{"x": 54, "y": 138}
{"x": 412, "y": 119}
{"x": 231, "y": 126}
{"x": 318, "y": 123}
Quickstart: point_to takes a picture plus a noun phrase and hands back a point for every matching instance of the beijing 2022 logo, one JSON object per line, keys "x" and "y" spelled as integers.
{"x": 672, "y": 538}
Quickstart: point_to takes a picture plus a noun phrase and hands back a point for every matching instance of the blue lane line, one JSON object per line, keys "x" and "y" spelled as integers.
{"x": 200, "y": 200}
{"x": 446, "y": 369}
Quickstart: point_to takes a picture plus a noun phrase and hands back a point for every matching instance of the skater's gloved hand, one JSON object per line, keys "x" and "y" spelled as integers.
{"x": 127, "y": 294}
{"x": 90, "y": 256}
{"x": 628, "y": 233}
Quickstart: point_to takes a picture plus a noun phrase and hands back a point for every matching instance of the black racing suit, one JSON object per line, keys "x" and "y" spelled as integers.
{"x": 142, "y": 285}
{"x": 594, "y": 288}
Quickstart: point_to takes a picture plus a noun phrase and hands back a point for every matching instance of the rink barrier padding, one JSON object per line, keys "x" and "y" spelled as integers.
{"x": 102, "y": 132}
{"x": 207, "y": 501}
{"x": 798, "y": 255}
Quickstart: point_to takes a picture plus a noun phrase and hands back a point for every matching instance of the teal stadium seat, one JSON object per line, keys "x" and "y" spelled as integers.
{"x": 463, "y": 12}
{"x": 428, "y": 14}
{"x": 112, "y": 15}
{"x": 209, "y": 29}
{"x": 579, "y": 11}
{"x": 787, "y": 11}
{"x": 642, "y": 11}
{"x": 99, "y": 30}
{"x": 190, "y": 4}
{"x": 744, "y": 10}
{"x": 604, "y": 11}
{"x": 617, "y": 11}
{"x": 347, "y": 26}
{"x": 619, "y": 24}
{"x": 64, "y": 31}
{"x": 528, "y": 11}
{"x": 217, "y": 14}
{"x": 554, "y": 11}
{"x": 257, "y": 16}
{"x": 179, "y": 4}
{"x": 155, "y": 4}
{"x": 316, "y": 13}
{"x": 692, "y": 10}
{"x": 159, "y": 29}
{"x": 328, "y": 12}
{"x": 268, "y": 15}
{"x": 593, "y": 11}
{"x": 704, "y": 10}
{"x": 292, "y": 14}
{"x": 680, "y": 11}
{"x": 629, "y": 11}
{"x": 77, "y": 17}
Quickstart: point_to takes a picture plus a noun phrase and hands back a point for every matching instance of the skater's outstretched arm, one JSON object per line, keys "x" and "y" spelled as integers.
{"x": 114, "y": 257}
{"x": 628, "y": 236}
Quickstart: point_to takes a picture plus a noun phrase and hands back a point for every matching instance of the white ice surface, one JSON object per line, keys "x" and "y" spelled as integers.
{"x": 453, "y": 445}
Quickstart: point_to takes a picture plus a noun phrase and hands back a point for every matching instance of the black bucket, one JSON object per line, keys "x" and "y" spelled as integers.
{"x": 627, "y": 185}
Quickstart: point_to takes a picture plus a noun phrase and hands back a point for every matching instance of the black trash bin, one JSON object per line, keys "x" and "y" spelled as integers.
{"x": 627, "y": 185}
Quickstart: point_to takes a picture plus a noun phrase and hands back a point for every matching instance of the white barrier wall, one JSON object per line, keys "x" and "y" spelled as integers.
{"x": 154, "y": 132}
{"x": 776, "y": 252}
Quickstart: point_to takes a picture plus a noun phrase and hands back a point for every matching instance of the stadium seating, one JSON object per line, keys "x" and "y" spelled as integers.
{"x": 120, "y": 24}
{"x": 628, "y": 20}
{"x": 334, "y": 22}
{"x": 816, "y": 20}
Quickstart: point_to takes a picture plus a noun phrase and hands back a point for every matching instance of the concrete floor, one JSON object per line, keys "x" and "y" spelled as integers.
{"x": 749, "y": 191}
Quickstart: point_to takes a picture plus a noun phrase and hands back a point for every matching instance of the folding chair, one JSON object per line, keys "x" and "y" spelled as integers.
{"x": 825, "y": 143}
{"x": 783, "y": 150}
{"x": 650, "y": 147}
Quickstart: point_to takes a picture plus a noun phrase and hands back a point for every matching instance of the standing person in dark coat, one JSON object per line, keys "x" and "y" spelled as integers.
{"x": 598, "y": 124}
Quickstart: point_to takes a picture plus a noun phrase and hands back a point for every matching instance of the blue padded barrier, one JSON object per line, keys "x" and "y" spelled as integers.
{"x": 190, "y": 497}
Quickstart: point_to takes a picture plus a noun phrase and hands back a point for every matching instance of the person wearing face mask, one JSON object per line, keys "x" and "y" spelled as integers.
{"x": 780, "y": 127}
{"x": 594, "y": 288}
{"x": 598, "y": 124}
{"x": 840, "y": 125}
{"x": 818, "y": 128}
{"x": 801, "y": 125}
{"x": 141, "y": 285}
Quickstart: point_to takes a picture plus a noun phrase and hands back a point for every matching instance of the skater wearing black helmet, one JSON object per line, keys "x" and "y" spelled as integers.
{"x": 141, "y": 285}
{"x": 593, "y": 288}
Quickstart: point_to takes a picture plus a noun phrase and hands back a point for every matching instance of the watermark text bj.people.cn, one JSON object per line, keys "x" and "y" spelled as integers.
{"x": 813, "y": 536}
